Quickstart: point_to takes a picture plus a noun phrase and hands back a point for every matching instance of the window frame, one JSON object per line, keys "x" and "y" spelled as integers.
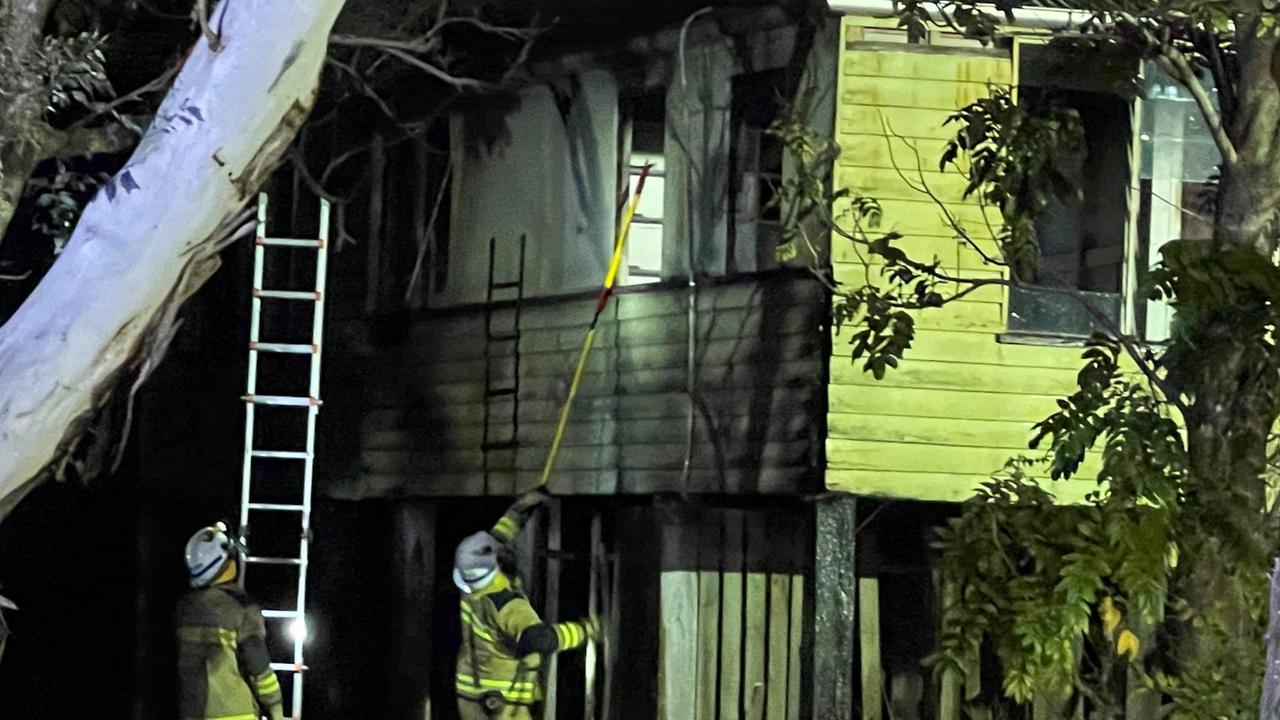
{"x": 1128, "y": 295}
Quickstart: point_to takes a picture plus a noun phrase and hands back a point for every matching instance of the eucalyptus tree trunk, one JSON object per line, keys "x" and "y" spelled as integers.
{"x": 149, "y": 238}
{"x": 1227, "y": 368}
{"x": 1269, "y": 708}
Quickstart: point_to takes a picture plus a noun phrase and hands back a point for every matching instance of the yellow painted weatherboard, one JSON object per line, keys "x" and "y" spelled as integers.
{"x": 962, "y": 403}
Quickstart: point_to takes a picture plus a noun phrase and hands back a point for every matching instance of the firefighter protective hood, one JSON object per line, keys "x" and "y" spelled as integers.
{"x": 475, "y": 563}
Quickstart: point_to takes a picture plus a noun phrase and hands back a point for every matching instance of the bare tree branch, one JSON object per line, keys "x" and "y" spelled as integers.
{"x": 509, "y": 33}
{"x": 83, "y": 141}
{"x": 160, "y": 82}
{"x": 365, "y": 88}
{"x": 202, "y": 14}
{"x": 1105, "y": 321}
{"x": 1176, "y": 65}
{"x": 950, "y": 218}
{"x": 407, "y": 58}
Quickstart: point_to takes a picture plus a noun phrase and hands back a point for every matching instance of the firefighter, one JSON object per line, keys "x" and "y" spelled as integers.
{"x": 503, "y": 639}
{"x": 224, "y": 672}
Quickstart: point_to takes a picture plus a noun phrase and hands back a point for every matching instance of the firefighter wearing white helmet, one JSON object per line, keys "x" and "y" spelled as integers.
{"x": 503, "y": 639}
{"x": 224, "y": 670}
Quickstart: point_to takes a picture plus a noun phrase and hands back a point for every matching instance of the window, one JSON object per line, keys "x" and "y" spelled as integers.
{"x": 1162, "y": 194}
{"x": 1179, "y": 162}
{"x": 644, "y": 244}
{"x": 1082, "y": 239}
{"x": 756, "y": 231}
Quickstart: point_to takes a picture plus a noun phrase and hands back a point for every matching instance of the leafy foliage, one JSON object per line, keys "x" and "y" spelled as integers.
{"x": 59, "y": 200}
{"x": 1161, "y": 574}
{"x": 1063, "y": 595}
{"x": 74, "y": 70}
{"x": 1013, "y": 154}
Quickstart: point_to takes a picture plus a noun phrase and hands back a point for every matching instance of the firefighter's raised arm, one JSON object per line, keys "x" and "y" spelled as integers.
{"x": 509, "y": 525}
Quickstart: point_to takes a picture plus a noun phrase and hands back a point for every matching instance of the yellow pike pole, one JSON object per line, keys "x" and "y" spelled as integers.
{"x": 605, "y": 292}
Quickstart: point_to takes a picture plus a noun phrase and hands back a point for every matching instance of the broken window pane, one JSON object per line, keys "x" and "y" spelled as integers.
{"x": 1043, "y": 312}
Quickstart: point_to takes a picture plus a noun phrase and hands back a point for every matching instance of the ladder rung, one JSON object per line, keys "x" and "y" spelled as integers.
{"x": 281, "y": 400}
{"x": 295, "y": 348}
{"x": 277, "y": 507}
{"x": 289, "y": 667}
{"x": 280, "y": 614}
{"x": 499, "y": 392}
{"x": 259, "y": 560}
{"x": 291, "y": 242}
{"x": 282, "y": 454}
{"x": 505, "y": 285}
{"x": 287, "y": 294}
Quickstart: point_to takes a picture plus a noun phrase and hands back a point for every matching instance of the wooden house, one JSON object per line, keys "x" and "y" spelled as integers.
{"x": 750, "y": 509}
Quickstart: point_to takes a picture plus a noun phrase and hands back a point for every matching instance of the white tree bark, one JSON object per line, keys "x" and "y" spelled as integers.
{"x": 149, "y": 237}
{"x": 1269, "y": 707}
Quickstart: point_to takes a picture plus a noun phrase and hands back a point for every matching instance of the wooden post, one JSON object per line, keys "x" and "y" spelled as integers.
{"x": 834, "y": 610}
{"x": 413, "y": 569}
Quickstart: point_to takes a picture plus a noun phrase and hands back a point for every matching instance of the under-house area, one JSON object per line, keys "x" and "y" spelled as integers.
{"x": 725, "y": 360}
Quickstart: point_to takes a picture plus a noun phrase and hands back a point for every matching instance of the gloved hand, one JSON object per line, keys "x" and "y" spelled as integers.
{"x": 530, "y": 500}
{"x": 592, "y": 627}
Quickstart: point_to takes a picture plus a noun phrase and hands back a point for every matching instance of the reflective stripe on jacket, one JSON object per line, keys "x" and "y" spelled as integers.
{"x": 503, "y": 641}
{"x": 492, "y": 621}
{"x": 224, "y": 672}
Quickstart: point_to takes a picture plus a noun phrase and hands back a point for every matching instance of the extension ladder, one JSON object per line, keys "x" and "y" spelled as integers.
{"x": 494, "y": 357}
{"x": 292, "y": 613}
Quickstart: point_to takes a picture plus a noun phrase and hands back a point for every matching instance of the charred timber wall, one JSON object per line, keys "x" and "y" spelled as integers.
{"x": 759, "y": 417}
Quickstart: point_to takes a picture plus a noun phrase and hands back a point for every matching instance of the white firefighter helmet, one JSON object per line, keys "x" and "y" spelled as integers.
{"x": 208, "y": 552}
{"x": 475, "y": 563}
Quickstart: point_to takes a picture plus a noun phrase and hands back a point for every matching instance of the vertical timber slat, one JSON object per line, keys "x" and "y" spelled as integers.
{"x": 591, "y": 664}
{"x": 731, "y": 590}
{"x": 796, "y": 630}
{"x": 779, "y": 643}
{"x": 949, "y": 693}
{"x": 756, "y": 648}
{"x": 872, "y": 672}
{"x": 709, "y": 555}
{"x": 677, "y": 633}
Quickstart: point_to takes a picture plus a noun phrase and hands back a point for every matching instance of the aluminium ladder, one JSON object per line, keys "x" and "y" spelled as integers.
{"x": 250, "y": 506}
